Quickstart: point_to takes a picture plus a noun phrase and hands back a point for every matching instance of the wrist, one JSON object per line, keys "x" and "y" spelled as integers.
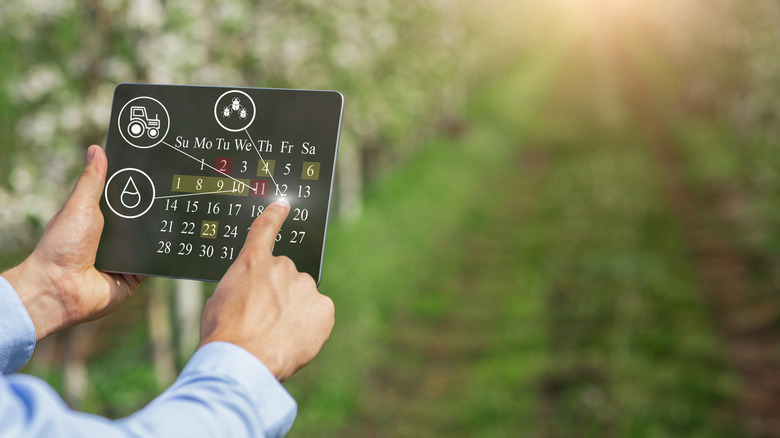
{"x": 273, "y": 361}
{"x": 39, "y": 296}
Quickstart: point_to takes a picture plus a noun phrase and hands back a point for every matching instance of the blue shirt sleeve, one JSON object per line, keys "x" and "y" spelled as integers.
{"x": 17, "y": 332}
{"x": 223, "y": 391}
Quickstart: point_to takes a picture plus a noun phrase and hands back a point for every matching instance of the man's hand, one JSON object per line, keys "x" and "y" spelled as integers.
{"x": 58, "y": 282}
{"x": 264, "y": 305}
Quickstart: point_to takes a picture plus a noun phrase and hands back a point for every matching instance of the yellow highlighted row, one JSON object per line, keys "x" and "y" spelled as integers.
{"x": 210, "y": 184}
{"x": 310, "y": 169}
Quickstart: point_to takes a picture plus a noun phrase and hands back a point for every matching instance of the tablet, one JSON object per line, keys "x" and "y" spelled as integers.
{"x": 191, "y": 167}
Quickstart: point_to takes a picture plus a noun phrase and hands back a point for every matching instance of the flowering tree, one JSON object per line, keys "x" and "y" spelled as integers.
{"x": 399, "y": 65}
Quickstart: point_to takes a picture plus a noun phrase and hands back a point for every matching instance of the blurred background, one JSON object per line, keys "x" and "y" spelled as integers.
{"x": 551, "y": 219}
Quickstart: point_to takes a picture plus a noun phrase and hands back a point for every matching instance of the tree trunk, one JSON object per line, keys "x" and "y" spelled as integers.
{"x": 189, "y": 306}
{"x": 161, "y": 332}
{"x": 77, "y": 348}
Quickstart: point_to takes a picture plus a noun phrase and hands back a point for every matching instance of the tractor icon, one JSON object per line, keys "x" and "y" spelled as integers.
{"x": 141, "y": 124}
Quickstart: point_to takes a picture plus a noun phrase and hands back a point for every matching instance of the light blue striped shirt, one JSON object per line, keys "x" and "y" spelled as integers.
{"x": 224, "y": 391}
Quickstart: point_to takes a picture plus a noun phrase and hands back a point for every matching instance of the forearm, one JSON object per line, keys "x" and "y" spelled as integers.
{"x": 223, "y": 391}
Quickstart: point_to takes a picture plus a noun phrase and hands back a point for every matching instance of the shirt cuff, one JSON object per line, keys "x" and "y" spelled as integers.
{"x": 276, "y": 405}
{"x": 17, "y": 332}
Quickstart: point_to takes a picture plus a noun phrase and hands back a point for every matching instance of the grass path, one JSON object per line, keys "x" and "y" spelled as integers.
{"x": 453, "y": 361}
{"x": 562, "y": 301}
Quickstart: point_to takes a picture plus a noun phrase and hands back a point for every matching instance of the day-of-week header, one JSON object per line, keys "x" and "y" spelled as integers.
{"x": 244, "y": 145}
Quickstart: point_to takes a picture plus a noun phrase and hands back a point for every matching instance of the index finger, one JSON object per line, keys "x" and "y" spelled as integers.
{"x": 263, "y": 232}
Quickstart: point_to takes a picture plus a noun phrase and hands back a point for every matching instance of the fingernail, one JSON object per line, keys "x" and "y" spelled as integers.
{"x": 90, "y": 154}
{"x": 283, "y": 202}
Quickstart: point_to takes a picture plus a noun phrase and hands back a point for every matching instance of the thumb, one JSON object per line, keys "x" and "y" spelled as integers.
{"x": 89, "y": 187}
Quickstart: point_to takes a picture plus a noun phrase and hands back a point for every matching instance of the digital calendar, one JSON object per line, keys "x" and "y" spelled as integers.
{"x": 191, "y": 167}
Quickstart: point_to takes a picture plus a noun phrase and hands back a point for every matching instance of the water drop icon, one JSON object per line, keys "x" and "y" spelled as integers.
{"x": 131, "y": 191}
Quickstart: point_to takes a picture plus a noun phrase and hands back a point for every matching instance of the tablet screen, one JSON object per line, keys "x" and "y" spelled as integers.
{"x": 190, "y": 168}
